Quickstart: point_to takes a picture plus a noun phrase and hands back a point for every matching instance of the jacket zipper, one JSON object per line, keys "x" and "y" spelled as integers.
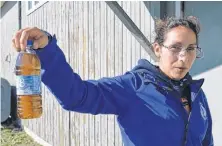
{"x": 187, "y": 123}
{"x": 186, "y": 130}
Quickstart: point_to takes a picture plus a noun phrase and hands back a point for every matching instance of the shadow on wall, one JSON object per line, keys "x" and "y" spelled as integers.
{"x": 6, "y": 7}
{"x": 13, "y": 103}
{"x": 210, "y": 38}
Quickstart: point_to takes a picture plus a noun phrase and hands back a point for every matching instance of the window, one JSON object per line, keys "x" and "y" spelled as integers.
{"x": 33, "y": 5}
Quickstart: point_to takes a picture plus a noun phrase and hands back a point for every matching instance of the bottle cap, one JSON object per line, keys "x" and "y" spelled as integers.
{"x": 29, "y": 43}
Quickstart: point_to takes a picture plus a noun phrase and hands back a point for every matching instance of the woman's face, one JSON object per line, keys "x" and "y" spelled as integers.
{"x": 174, "y": 60}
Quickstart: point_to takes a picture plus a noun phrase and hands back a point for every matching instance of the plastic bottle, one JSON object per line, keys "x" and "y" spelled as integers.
{"x": 28, "y": 84}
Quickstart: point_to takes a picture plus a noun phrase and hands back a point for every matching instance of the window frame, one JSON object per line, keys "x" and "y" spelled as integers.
{"x": 34, "y": 7}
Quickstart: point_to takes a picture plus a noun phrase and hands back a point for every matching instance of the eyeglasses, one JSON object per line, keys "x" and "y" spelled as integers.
{"x": 190, "y": 50}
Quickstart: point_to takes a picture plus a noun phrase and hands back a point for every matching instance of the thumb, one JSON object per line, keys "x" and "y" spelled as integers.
{"x": 36, "y": 44}
{"x": 40, "y": 42}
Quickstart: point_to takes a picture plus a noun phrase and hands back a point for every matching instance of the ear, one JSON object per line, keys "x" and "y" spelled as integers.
{"x": 157, "y": 49}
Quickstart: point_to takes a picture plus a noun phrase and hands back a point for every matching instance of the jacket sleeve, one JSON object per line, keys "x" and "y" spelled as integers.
{"x": 208, "y": 140}
{"x": 104, "y": 96}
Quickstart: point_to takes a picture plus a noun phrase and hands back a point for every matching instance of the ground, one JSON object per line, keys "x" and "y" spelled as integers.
{"x": 18, "y": 138}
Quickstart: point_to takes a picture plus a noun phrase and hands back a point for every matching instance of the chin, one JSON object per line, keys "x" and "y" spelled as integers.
{"x": 178, "y": 76}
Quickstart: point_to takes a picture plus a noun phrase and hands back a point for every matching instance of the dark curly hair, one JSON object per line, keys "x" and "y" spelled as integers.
{"x": 162, "y": 26}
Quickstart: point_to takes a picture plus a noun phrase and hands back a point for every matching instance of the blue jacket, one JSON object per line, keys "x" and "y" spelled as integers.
{"x": 149, "y": 111}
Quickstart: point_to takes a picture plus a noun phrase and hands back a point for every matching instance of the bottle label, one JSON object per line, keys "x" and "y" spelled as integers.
{"x": 28, "y": 85}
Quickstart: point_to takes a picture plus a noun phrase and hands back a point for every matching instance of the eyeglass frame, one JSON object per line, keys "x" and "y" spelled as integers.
{"x": 185, "y": 49}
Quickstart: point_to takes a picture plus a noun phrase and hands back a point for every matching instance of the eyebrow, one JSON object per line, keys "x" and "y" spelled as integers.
{"x": 179, "y": 43}
{"x": 193, "y": 44}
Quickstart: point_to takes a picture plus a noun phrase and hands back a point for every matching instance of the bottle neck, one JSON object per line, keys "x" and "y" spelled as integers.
{"x": 29, "y": 49}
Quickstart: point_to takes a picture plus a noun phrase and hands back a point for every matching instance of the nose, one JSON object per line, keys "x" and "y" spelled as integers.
{"x": 183, "y": 55}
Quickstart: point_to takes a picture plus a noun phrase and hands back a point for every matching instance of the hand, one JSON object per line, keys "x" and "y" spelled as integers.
{"x": 19, "y": 41}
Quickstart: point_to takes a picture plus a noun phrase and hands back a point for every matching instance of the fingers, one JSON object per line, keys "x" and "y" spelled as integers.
{"x": 29, "y": 34}
{"x": 20, "y": 39}
{"x": 23, "y": 39}
{"x": 14, "y": 45}
{"x": 16, "y": 40}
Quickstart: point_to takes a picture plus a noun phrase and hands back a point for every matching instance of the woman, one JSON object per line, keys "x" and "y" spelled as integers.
{"x": 155, "y": 105}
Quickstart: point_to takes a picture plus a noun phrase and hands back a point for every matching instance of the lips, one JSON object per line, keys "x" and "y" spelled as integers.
{"x": 181, "y": 68}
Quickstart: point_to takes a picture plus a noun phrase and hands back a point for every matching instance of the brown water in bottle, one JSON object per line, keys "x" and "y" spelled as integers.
{"x": 29, "y": 100}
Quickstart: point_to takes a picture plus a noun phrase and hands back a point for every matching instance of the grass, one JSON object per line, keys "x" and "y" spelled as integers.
{"x": 19, "y": 138}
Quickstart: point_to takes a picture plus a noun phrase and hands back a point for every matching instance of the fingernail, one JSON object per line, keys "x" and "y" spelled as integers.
{"x": 18, "y": 50}
{"x": 35, "y": 46}
{"x": 23, "y": 47}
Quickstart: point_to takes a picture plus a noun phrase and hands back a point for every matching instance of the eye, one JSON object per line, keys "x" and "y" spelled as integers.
{"x": 176, "y": 48}
{"x": 191, "y": 48}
